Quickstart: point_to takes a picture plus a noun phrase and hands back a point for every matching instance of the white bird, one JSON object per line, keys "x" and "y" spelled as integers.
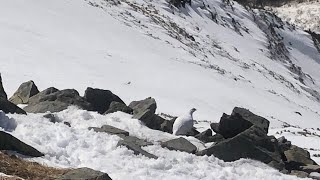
{"x": 183, "y": 124}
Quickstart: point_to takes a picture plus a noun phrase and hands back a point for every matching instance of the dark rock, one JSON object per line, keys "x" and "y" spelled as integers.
{"x": 299, "y": 174}
{"x": 144, "y": 105}
{"x": 135, "y": 148}
{"x": 3, "y": 94}
{"x": 254, "y": 119}
{"x": 180, "y": 144}
{"x": 67, "y": 124}
{"x": 100, "y": 99}
{"x": 8, "y": 107}
{"x": 52, "y": 118}
{"x": 310, "y": 168}
{"x": 206, "y": 136}
{"x": 135, "y": 140}
{"x": 253, "y": 143}
{"x": 284, "y": 144}
{"x": 24, "y": 92}
{"x": 166, "y": 126}
{"x": 84, "y": 174}
{"x": 55, "y": 101}
{"x": 297, "y": 157}
{"x": 8, "y": 142}
{"x": 110, "y": 130}
{"x": 215, "y": 127}
{"x": 117, "y": 106}
{"x": 193, "y": 132}
{"x": 231, "y": 126}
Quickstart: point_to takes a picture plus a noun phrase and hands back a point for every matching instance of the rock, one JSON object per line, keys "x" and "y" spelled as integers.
{"x": 110, "y": 130}
{"x": 314, "y": 175}
{"x": 206, "y": 136}
{"x": 144, "y": 105}
{"x": 56, "y": 101}
{"x": 84, "y": 174}
{"x": 300, "y": 174}
{"x": 215, "y": 127}
{"x": 231, "y": 126}
{"x": 254, "y": 119}
{"x": 8, "y": 142}
{"x": 136, "y": 149}
{"x": 166, "y": 126}
{"x": 3, "y": 94}
{"x": 180, "y": 144}
{"x": 284, "y": 143}
{"x": 135, "y": 140}
{"x": 24, "y": 92}
{"x": 52, "y": 118}
{"x": 117, "y": 106}
{"x": 253, "y": 143}
{"x": 193, "y": 132}
{"x": 297, "y": 157}
{"x": 310, "y": 168}
{"x": 100, "y": 99}
{"x": 8, "y": 107}
{"x": 67, "y": 124}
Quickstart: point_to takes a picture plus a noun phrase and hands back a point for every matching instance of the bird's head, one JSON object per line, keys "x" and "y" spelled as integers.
{"x": 192, "y": 110}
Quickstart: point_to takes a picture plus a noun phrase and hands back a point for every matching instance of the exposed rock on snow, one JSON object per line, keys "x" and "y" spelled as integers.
{"x": 110, "y": 130}
{"x": 135, "y": 148}
{"x": 100, "y": 99}
{"x": 8, "y": 107}
{"x": 206, "y": 136}
{"x": 3, "y": 94}
{"x": 55, "y": 101}
{"x": 180, "y": 144}
{"x": 148, "y": 104}
{"x": 297, "y": 157}
{"x": 118, "y": 106}
{"x": 24, "y": 92}
{"x": 8, "y": 142}
{"x": 183, "y": 124}
{"x": 41, "y": 95}
{"x": 84, "y": 174}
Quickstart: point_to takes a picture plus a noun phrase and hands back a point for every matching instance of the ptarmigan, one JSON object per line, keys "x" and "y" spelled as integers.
{"x": 183, "y": 124}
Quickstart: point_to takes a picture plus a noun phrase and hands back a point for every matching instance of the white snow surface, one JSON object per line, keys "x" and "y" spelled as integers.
{"x": 304, "y": 14}
{"x": 133, "y": 48}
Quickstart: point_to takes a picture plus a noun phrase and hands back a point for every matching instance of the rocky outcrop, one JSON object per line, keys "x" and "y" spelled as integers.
{"x": 84, "y": 174}
{"x": 3, "y": 94}
{"x": 118, "y": 106}
{"x": 100, "y": 99}
{"x": 180, "y": 144}
{"x": 51, "y": 100}
{"x": 206, "y": 136}
{"x": 8, "y": 142}
{"x": 24, "y": 92}
{"x": 110, "y": 130}
{"x": 296, "y": 157}
{"x": 8, "y": 107}
{"x": 135, "y": 148}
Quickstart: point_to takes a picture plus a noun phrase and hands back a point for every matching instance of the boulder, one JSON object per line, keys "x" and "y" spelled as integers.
{"x": 284, "y": 144}
{"x": 231, "y": 126}
{"x": 299, "y": 174}
{"x": 314, "y": 175}
{"x": 206, "y": 136}
{"x": 3, "y": 94}
{"x": 180, "y": 144}
{"x": 110, "y": 130}
{"x": 51, "y": 117}
{"x": 100, "y": 99}
{"x": 144, "y": 105}
{"x": 254, "y": 119}
{"x": 253, "y": 143}
{"x": 24, "y": 92}
{"x": 215, "y": 127}
{"x": 166, "y": 126}
{"x": 135, "y": 148}
{"x": 84, "y": 174}
{"x": 135, "y": 140}
{"x": 310, "y": 168}
{"x": 55, "y": 101}
{"x": 297, "y": 157}
{"x": 8, "y": 142}
{"x": 8, "y": 107}
{"x": 118, "y": 106}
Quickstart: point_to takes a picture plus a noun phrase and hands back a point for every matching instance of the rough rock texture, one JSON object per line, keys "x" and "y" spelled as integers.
{"x": 24, "y": 92}
{"x": 8, "y": 142}
{"x": 100, "y": 99}
{"x": 297, "y": 157}
{"x": 253, "y": 143}
{"x": 8, "y": 107}
{"x": 230, "y": 126}
{"x": 135, "y": 148}
{"x": 118, "y": 106}
{"x": 3, "y": 94}
{"x": 84, "y": 174}
{"x": 110, "y": 130}
{"x": 300, "y": 174}
{"x": 144, "y": 105}
{"x": 37, "y": 98}
{"x": 56, "y": 101}
{"x": 206, "y": 136}
{"x": 51, "y": 117}
{"x": 180, "y": 144}
{"x": 310, "y": 168}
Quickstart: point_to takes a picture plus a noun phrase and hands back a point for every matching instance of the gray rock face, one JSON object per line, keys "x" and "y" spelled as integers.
{"x": 3, "y": 94}
{"x": 297, "y": 157}
{"x": 231, "y": 126}
{"x": 24, "y": 92}
{"x": 253, "y": 143}
{"x": 118, "y": 106}
{"x": 55, "y": 101}
{"x": 8, "y": 107}
{"x": 206, "y": 136}
{"x": 110, "y": 130}
{"x": 310, "y": 168}
{"x": 100, "y": 99}
{"x": 8, "y": 142}
{"x": 144, "y": 105}
{"x": 253, "y": 118}
{"x": 135, "y": 148}
{"x": 180, "y": 144}
{"x": 51, "y": 117}
{"x": 135, "y": 140}
{"x": 84, "y": 174}
{"x": 300, "y": 174}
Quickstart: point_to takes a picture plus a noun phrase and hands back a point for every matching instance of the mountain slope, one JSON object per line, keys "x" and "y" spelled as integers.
{"x": 211, "y": 55}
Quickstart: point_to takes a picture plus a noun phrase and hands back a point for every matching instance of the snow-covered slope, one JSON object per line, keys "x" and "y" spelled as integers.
{"x": 304, "y": 14}
{"x": 211, "y": 55}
